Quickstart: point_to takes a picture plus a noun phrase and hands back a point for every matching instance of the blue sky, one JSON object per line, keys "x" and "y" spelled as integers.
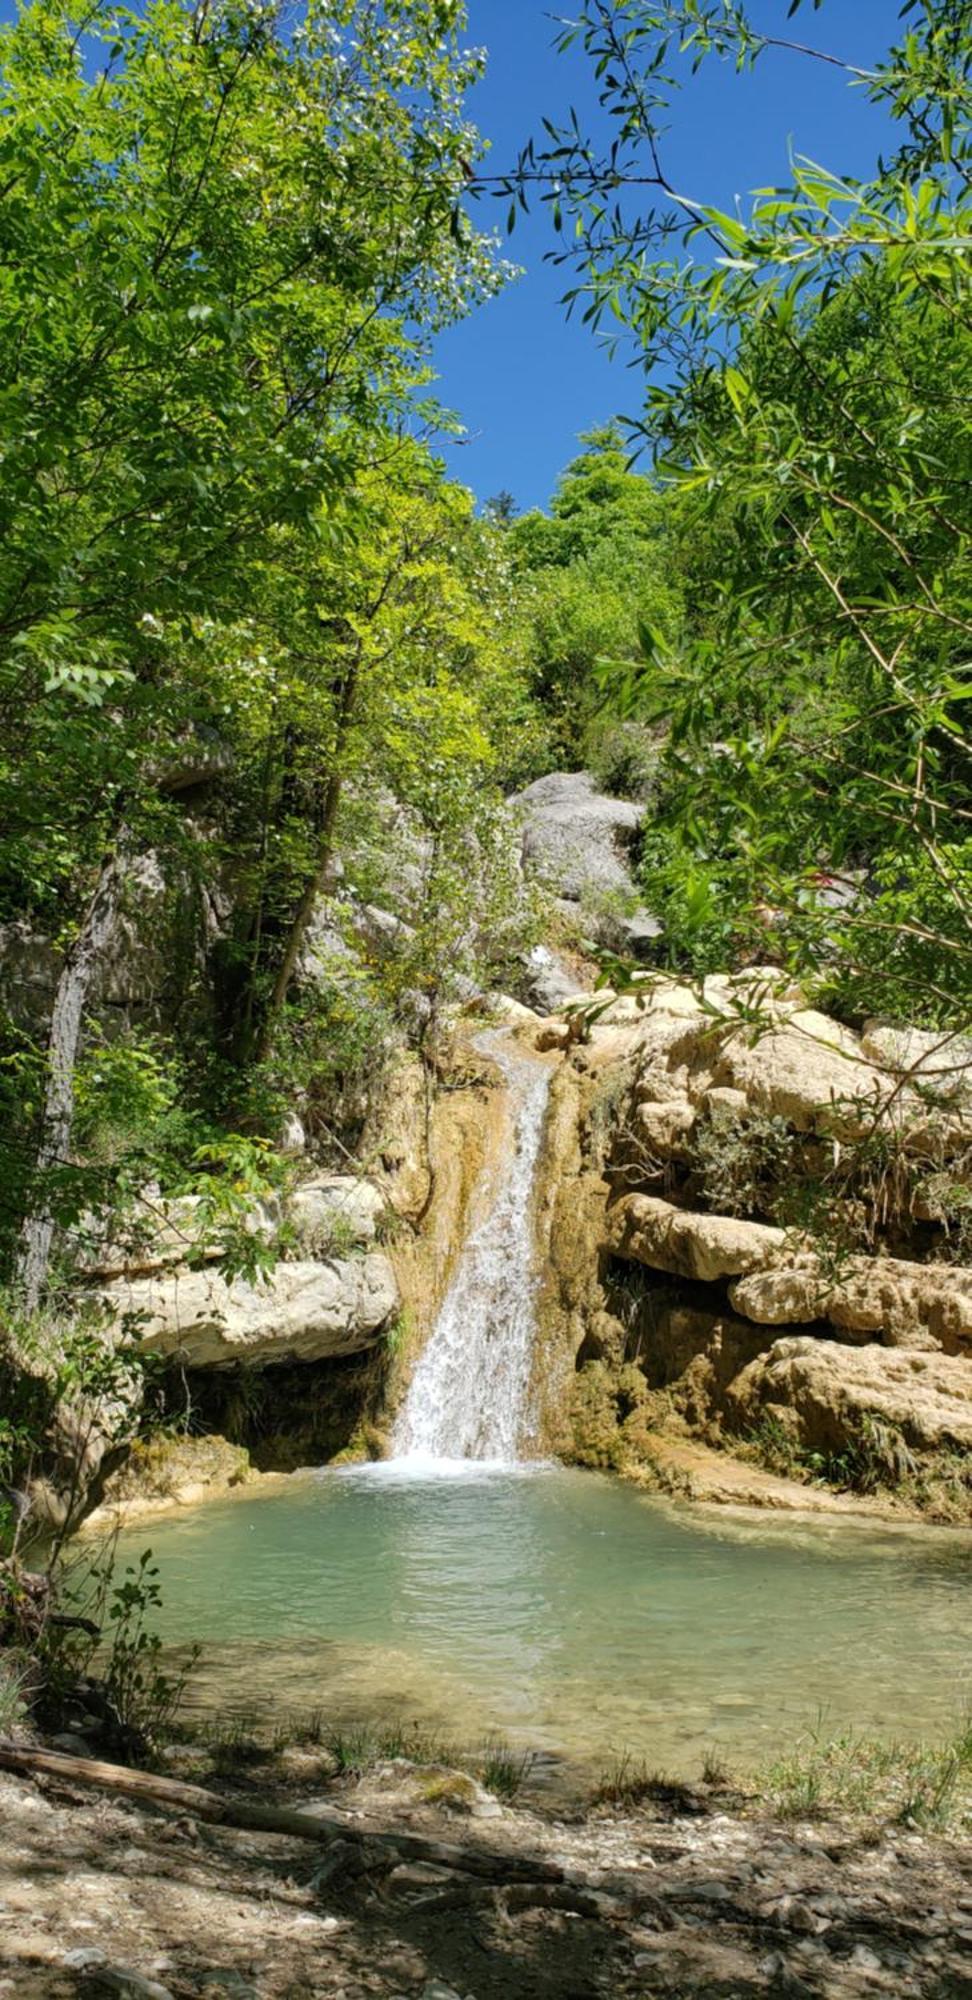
{"x": 523, "y": 381}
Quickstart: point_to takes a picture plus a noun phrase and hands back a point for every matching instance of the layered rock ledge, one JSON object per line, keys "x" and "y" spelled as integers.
{"x": 686, "y": 1297}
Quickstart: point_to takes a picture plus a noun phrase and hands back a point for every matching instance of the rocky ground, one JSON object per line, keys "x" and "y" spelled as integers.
{"x": 681, "y": 1898}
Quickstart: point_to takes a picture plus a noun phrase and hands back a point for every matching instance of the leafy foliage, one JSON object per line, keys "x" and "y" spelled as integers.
{"x": 808, "y": 415}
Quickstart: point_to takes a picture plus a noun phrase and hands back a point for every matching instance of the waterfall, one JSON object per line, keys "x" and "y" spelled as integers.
{"x": 468, "y": 1397}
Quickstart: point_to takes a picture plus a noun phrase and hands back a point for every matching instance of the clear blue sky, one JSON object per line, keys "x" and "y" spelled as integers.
{"x": 523, "y": 381}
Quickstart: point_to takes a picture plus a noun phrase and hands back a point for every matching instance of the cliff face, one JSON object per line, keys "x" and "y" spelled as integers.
{"x": 749, "y": 1220}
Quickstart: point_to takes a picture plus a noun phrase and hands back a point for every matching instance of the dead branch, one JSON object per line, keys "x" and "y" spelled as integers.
{"x": 174, "y": 1795}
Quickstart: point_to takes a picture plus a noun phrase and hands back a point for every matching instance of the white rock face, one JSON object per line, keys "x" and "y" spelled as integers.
{"x": 794, "y": 1063}
{"x": 306, "y": 1312}
{"x": 575, "y": 841}
{"x": 327, "y": 1213}
{"x": 333, "y": 1207}
{"x": 573, "y": 835}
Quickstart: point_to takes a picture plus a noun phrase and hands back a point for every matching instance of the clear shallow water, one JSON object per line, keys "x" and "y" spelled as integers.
{"x": 565, "y": 1610}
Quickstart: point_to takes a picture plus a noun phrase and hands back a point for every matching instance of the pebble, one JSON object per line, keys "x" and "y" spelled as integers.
{"x": 83, "y": 1957}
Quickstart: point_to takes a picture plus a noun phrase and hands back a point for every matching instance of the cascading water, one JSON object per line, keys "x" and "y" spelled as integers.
{"x": 468, "y": 1398}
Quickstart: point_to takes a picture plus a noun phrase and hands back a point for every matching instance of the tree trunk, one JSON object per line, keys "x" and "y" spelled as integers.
{"x": 70, "y": 1001}
{"x": 302, "y": 916}
{"x": 180, "y": 1797}
{"x": 315, "y": 882}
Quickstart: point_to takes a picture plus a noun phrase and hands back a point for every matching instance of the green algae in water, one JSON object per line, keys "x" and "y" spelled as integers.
{"x": 566, "y": 1611}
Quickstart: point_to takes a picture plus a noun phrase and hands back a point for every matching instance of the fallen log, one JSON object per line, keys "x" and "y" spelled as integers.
{"x": 173, "y": 1793}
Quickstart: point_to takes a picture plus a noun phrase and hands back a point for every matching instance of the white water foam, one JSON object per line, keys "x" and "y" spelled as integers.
{"x": 469, "y": 1394}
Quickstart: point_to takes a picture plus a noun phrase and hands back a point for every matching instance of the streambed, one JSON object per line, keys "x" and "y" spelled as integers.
{"x": 564, "y": 1610}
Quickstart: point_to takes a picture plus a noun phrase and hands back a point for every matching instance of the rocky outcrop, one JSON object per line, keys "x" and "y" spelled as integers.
{"x": 777, "y": 1282}
{"x": 706, "y": 1247}
{"x": 823, "y": 1392}
{"x": 319, "y": 1216}
{"x": 575, "y": 842}
{"x": 905, "y": 1304}
{"x": 169, "y": 1471}
{"x": 304, "y": 1312}
{"x": 652, "y": 1268}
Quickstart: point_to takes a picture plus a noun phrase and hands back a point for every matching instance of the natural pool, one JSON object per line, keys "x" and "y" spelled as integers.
{"x": 566, "y": 1611}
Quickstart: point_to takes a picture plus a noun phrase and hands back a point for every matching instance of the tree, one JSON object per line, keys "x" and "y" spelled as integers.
{"x": 808, "y": 414}
{"x": 220, "y": 232}
{"x": 594, "y": 574}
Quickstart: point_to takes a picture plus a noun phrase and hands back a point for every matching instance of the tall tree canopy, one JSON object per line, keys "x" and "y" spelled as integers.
{"x": 227, "y": 233}
{"x": 808, "y": 411}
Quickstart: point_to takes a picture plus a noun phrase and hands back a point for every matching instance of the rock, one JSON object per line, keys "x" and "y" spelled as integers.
{"x": 304, "y": 1312}
{"x": 556, "y": 1035}
{"x": 572, "y": 834}
{"x": 688, "y": 1245}
{"x": 822, "y": 1390}
{"x": 292, "y": 1137}
{"x": 663, "y": 1127}
{"x": 334, "y": 1206}
{"x": 574, "y": 841}
{"x": 173, "y": 1471}
{"x": 220, "y": 1984}
{"x": 161, "y": 1232}
{"x": 909, "y": 1305}
{"x": 929, "y": 1057}
{"x": 126, "y": 1982}
{"x": 550, "y": 985}
{"x": 807, "y": 1069}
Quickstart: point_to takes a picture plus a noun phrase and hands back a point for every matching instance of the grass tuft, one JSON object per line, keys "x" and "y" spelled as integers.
{"x": 922, "y": 1784}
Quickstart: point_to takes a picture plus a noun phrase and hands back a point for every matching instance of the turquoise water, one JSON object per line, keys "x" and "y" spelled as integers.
{"x": 566, "y": 1611}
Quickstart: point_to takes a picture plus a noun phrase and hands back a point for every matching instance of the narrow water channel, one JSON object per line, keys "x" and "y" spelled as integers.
{"x": 567, "y": 1611}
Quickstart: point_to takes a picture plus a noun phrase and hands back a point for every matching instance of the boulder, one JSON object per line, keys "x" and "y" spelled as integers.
{"x": 304, "y": 1312}
{"x": 822, "y": 1390}
{"x": 323, "y": 1214}
{"x": 549, "y": 983}
{"x": 908, "y": 1305}
{"x": 932, "y": 1058}
{"x": 573, "y": 835}
{"x": 575, "y": 842}
{"x": 706, "y": 1247}
{"x": 333, "y": 1209}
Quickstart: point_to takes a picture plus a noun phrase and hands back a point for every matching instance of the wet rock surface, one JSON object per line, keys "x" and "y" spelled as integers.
{"x": 98, "y": 1897}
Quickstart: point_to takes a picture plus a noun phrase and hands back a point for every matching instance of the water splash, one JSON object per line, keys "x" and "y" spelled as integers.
{"x": 469, "y": 1394}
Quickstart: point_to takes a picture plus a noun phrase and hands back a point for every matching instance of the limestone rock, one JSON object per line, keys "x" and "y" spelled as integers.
{"x": 574, "y": 842}
{"x": 306, "y": 1312}
{"x": 688, "y": 1245}
{"x": 930, "y": 1057}
{"x": 334, "y": 1207}
{"x": 572, "y": 834}
{"x": 910, "y": 1305}
{"x": 806, "y": 1069}
{"x": 172, "y": 1471}
{"x": 822, "y": 1389}
{"x": 797, "y": 1064}
{"x": 550, "y": 984}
